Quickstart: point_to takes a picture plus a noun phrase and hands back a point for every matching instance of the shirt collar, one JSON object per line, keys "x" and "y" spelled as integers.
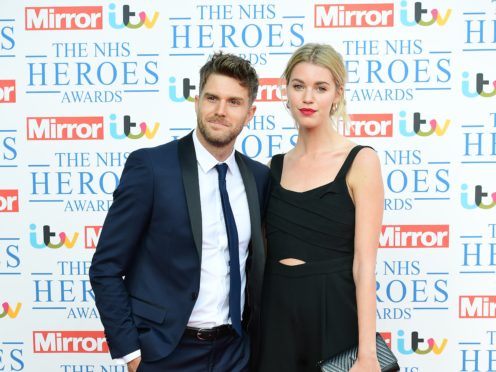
{"x": 206, "y": 160}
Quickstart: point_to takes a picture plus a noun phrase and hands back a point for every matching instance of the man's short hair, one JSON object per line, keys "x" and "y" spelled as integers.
{"x": 232, "y": 66}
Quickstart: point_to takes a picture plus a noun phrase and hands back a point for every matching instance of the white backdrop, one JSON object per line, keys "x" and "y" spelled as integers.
{"x": 82, "y": 84}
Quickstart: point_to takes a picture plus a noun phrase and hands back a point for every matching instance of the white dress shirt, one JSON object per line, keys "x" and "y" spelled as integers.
{"x": 212, "y": 305}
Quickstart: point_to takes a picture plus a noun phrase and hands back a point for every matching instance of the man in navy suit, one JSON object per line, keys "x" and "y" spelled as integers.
{"x": 161, "y": 270}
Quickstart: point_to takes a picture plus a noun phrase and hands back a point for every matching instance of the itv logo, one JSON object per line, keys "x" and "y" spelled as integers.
{"x": 483, "y": 87}
{"x": 419, "y": 345}
{"x": 481, "y": 199}
{"x": 129, "y": 18}
{"x": 418, "y": 126}
{"x": 49, "y": 239}
{"x": 418, "y": 15}
{"x": 8, "y": 310}
{"x": 131, "y": 130}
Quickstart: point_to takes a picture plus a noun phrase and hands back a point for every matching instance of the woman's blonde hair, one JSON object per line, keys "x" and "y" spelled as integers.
{"x": 326, "y": 56}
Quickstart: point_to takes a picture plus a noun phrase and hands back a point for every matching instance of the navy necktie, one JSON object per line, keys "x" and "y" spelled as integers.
{"x": 233, "y": 243}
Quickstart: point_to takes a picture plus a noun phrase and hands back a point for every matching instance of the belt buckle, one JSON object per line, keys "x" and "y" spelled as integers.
{"x": 205, "y": 331}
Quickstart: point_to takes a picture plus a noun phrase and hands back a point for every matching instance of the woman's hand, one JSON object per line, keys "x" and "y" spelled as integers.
{"x": 369, "y": 364}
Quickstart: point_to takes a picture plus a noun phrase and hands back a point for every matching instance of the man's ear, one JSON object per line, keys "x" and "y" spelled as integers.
{"x": 251, "y": 113}
{"x": 197, "y": 102}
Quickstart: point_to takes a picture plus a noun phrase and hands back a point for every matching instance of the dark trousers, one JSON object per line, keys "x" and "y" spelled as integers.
{"x": 229, "y": 353}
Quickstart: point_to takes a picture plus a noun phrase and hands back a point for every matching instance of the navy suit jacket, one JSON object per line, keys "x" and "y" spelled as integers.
{"x": 145, "y": 272}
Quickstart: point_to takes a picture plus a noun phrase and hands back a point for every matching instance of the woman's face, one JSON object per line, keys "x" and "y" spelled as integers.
{"x": 311, "y": 93}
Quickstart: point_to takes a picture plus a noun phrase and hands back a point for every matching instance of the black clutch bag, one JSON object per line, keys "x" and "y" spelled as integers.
{"x": 345, "y": 360}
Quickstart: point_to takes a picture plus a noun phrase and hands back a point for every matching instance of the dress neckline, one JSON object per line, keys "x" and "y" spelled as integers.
{"x": 307, "y": 191}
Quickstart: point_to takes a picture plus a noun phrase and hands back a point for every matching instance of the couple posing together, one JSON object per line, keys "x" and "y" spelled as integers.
{"x": 181, "y": 276}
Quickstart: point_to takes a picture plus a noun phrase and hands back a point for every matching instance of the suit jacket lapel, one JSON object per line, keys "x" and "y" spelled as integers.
{"x": 251, "y": 194}
{"x": 257, "y": 251}
{"x": 189, "y": 169}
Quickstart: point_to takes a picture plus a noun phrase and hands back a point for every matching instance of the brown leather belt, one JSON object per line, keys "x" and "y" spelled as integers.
{"x": 210, "y": 334}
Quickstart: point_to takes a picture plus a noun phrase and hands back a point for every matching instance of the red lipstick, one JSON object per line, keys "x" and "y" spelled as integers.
{"x": 307, "y": 111}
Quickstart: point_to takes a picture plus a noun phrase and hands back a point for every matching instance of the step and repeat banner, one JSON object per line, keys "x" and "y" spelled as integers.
{"x": 84, "y": 83}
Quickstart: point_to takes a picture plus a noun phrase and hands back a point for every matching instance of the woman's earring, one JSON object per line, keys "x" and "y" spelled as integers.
{"x": 287, "y": 104}
{"x": 334, "y": 108}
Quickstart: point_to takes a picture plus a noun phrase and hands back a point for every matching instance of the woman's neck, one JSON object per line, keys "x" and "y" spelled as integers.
{"x": 323, "y": 138}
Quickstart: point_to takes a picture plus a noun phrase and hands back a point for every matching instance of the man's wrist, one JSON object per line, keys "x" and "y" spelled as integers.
{"x": 128, "y": 358}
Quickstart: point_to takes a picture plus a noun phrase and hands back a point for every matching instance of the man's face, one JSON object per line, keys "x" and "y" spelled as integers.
{"x": 222, "y": 109}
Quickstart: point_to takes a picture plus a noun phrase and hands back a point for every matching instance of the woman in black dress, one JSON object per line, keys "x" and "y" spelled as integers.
{"x": 323, "y": 224}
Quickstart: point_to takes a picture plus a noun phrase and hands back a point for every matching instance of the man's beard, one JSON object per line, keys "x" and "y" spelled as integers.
{"x": 217, "y": 139}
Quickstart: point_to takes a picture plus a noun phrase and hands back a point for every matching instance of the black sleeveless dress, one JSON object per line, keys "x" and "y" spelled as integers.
{"x": 309, "y": 311}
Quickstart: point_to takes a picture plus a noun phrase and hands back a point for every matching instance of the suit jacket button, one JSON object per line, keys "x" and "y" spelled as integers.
{"x": 194, "y": 295}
